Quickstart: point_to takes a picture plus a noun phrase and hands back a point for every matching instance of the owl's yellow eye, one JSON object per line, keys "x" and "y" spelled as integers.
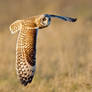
{"x": 44, "y": 19}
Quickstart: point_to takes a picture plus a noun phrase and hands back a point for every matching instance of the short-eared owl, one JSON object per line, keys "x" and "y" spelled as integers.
{"x": 26, "y": 43}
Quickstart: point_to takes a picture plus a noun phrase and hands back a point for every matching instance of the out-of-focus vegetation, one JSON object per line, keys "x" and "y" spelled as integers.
{"x": 64, "y": 50}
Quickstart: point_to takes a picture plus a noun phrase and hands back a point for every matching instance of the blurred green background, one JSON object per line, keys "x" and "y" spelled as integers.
{"x": 64, "y": 50}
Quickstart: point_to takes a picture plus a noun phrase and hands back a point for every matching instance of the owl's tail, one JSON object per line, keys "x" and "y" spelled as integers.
{"x": 16, "y": 26}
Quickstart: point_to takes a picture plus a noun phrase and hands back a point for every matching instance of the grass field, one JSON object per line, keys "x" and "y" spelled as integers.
{"x": 64, "y": 50}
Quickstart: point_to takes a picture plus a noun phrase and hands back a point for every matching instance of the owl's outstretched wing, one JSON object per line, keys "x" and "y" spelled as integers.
{"x": 64, "y": 18}
{"x": 26, "y": 55}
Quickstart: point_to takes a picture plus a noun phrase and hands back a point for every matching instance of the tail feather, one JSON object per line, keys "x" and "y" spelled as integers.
{"x": 16, "y": 26}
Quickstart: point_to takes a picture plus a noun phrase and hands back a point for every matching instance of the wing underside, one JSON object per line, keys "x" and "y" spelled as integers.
{"x": 26, "y": 56}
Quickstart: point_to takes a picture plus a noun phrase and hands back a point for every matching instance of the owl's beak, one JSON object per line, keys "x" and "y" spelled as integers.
{"x": 64, "y": 18}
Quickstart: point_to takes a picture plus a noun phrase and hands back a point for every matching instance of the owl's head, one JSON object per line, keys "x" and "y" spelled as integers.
{"x": 43, "y": 21}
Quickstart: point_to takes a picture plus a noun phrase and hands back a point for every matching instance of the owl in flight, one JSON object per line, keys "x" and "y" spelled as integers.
{"x": 26, "y": 43}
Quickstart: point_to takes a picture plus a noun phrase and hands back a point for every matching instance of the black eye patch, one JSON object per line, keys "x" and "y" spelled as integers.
{"x": 44, "y": 19}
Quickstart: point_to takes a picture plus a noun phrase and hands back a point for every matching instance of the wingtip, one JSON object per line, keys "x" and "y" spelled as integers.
{"x": 74, "y": 19}
{"x": 25, "y": 81}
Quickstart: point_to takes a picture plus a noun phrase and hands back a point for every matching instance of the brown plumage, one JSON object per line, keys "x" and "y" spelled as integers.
{"x": 26, "y": 43}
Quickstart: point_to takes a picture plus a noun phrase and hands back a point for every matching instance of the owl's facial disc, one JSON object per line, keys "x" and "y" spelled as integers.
{"x": 43, "y": 21}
